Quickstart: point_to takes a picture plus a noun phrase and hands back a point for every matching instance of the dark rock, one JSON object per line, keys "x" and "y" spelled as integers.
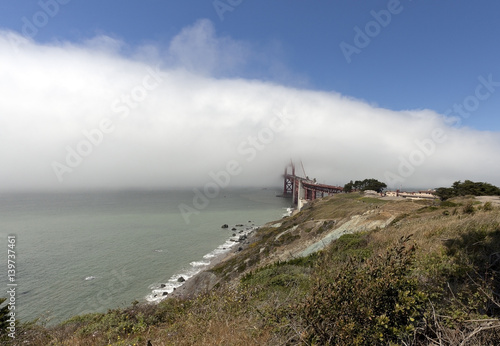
{"x": 233, "y": 229}
{"x": 199, "y": 284}
{"x": 240, "y": 248}
{"x": 181, "y": 279}
{"x": 239, "y": 225}
{"x": 234, "y": 234}
{"x": 225, "y": 225}
{"x": 165, "y": 293}
{"x": 162, "y": 286}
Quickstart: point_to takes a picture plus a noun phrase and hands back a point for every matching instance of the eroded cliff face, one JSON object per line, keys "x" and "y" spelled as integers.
{"x": 311, "y": 229}
{"x": 314, "y": 234}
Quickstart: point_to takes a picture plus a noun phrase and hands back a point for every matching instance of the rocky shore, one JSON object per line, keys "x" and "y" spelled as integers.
{"x": 204, "y": 281}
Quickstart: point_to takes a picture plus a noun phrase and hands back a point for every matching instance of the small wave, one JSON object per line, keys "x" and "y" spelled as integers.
{"x": 199, "y": 264}
{"x": 88, "y": 278}
{"x": 160, "y": 291}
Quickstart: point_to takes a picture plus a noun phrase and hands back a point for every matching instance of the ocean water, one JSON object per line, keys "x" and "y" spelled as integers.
{"x": 92, "y": 251}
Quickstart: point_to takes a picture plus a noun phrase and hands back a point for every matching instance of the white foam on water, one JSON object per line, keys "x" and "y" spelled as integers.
{"x": 288, "y": 212}
{"x": 199, "y": 264}
{"x": 158, "y": 292}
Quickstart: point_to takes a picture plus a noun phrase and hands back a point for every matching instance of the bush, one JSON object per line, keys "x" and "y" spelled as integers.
{"x": 476, "y": 258}
{"x": 365, "y": 302}
{"x": 488, "y": 206}
{"x": 448, "y": 204}
{"x": 4, "y": 316}
{"x": 468, "y": 208}
{"x": 354, "y": 245}
{"x": 277, "y": 276}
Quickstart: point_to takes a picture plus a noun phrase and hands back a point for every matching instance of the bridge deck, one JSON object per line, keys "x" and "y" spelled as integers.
{"x": 303, "y": 188}
{"x": 322, "y": 187}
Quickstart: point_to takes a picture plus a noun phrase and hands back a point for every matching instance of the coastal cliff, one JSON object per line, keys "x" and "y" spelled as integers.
{"x": 347, "y": 269}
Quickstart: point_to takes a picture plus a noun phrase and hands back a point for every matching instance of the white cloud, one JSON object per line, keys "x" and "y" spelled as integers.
{"x": 199, "y": 50}
{"x": 173, "y": 126}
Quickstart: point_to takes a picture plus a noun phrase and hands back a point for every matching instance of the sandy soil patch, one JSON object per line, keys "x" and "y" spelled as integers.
{"x": 493, "y": 199}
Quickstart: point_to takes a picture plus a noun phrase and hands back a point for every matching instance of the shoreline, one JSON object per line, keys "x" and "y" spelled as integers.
{"x": 183, "y": 284}
{"x": 203, "y": 280}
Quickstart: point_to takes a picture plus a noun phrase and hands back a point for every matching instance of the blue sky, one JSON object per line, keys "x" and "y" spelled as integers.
{"x": 407, "y": 67}
{"x": 428, "y": 56}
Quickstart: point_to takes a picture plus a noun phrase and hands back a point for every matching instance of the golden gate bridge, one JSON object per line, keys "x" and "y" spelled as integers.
{"x": 302, "y": 188}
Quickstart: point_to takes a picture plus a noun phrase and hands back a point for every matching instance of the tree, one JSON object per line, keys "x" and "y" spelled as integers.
{"x": 373, "y": 184}
{"x": 444, "y": 193}
{"x": 367, "y": 184}
{"x": 468, "y": 187}
{"x": 348, "y": 187}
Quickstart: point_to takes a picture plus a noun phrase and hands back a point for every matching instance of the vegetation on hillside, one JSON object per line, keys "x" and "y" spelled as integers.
{"x": 467, "y": 188}
{"x": 363, "y": 185}
{"x": 4, "y": 317}
{"x": 429, "y": 278}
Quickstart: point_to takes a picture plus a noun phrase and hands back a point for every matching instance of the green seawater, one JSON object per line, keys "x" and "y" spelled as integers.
{"x": 91, "y": 251}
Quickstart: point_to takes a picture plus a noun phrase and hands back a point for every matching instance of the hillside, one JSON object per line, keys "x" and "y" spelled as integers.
{"x": 346, "y": 270}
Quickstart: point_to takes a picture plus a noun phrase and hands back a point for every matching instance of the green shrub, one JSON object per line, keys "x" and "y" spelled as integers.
{"x": 276, "y": 276}
{"x": 350, "y": 245}
{"x": 4, "y": 316}
{"x": 427, "y": 209}
{"x": 307, "y": 261}
{"x": 365, "y": 302}
{"x": 287, "y": 239}
{"x": 448, "y": 204}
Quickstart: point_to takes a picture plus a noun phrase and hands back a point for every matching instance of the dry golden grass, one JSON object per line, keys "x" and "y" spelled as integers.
{"x": 430, "y": 229}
